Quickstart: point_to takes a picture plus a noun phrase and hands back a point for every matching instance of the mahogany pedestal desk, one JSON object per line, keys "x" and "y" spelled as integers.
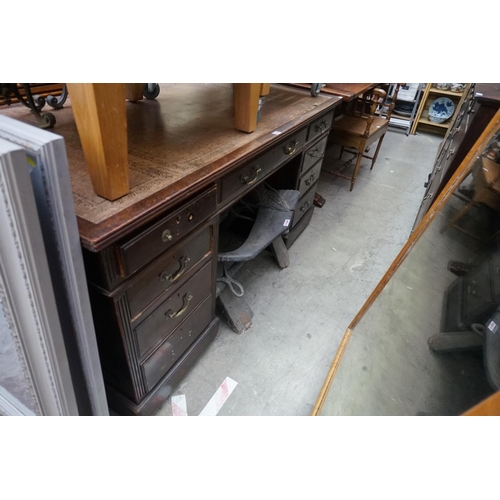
{"x": 151, "y": 256}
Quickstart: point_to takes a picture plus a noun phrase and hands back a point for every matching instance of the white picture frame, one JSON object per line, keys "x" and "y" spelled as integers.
{"x": 51, "y": 183}
{"x": 27, "y": 298}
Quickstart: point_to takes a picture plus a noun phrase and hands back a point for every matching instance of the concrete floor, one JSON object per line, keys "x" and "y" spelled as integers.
{"x": 301, "y": 313}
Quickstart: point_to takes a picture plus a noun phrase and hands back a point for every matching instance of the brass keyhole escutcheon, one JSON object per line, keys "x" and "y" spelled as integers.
{"x": 166, "y": 236}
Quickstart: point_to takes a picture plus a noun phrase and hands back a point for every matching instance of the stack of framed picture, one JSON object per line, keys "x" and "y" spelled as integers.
{"x": 49, "y": 363}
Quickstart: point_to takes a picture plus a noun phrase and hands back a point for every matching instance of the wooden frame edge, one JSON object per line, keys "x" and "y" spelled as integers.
{"x": 489, "y": 407}
{"x": 331, "y": 373}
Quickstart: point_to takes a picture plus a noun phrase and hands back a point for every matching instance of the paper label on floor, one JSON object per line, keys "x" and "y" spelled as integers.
{"x": 179, "y": 406}
{"x": 219, "y": 398}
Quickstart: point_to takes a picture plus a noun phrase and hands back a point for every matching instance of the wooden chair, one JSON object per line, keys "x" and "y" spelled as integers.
{"x": 364, "y": 123}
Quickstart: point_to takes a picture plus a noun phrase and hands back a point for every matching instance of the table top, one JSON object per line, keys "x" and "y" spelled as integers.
{"x": 348, "y": 91}
{"x": 178, "y": 144}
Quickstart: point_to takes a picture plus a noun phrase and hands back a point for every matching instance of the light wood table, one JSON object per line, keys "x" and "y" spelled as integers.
{"x": 100, "y": 116}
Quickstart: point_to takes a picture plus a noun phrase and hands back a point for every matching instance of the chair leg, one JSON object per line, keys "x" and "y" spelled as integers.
{"x": 356, "y": 168}
{"x": 374, "y": 159}
{"x": 280, "y": 252}
{"x": 456, "y": 341}
{"x": 341, "y": 152}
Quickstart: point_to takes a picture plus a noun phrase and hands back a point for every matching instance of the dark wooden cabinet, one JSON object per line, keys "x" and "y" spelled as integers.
{"x": 150, "y": 321}
{"x": 478, "y": 108}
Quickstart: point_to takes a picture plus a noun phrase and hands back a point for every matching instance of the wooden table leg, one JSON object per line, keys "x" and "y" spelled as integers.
{"x": 265, "y": 88}
{"x": 246, "y": 105}
{"x": 100, "y": 116}
{"x": 133, "y": 91}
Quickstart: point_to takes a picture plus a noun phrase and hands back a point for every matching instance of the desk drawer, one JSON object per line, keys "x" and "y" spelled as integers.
{"x": 155, "y": 367}
{"x": 174, "y": 310}
{"x": 309, "y": 178}
{"x": 320, "y": 126}
{"x": 313, "y": 154}
{"x": 246, "y": 177}
{"x": 288, "y": 148}
{"x": 169, "y": 269}
{"x": 152, "y": 242}
{"x": 298, "y": 229}
{"x": 304, "y": 204}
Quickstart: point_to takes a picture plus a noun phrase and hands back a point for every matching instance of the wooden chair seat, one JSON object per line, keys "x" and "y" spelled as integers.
{"x": 356, "y": 125}
{"x": 364, "y": 124}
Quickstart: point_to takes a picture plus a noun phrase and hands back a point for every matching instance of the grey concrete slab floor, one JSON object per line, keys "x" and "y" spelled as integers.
{"x": 301, "y": 312}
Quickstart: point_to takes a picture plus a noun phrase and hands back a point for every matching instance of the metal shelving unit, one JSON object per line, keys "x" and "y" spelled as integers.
{"x": 409, "y": 93}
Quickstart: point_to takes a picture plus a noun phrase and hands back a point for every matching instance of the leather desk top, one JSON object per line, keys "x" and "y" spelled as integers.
{"x": 178, "y": 144}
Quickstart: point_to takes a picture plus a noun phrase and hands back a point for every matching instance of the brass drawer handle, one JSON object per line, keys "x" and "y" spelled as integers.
{"x": 309, "y": 181}
{"x": 291, "y": 148}
{"x": 248, "y": 180}
{"x": 305, "y": 206}
{"x": 174, "y": 277}
{"x": 185, "y": 303}
{"x": 428, "y": 180}
{"x": 317, "y": 153}
{"x": 321, "y": 127}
